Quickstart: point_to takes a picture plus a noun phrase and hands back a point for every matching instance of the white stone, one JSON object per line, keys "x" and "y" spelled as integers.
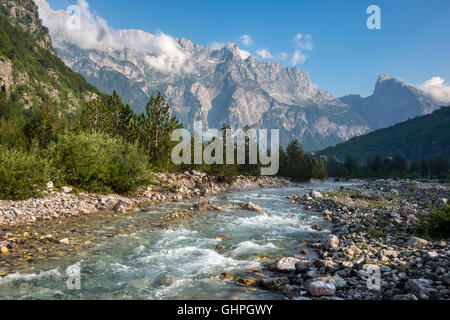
{"x": 286, "y": 264}
{"x": 66, "y": 189}
{"x": 316, "y": 194}
{"x": 331, "y": 243}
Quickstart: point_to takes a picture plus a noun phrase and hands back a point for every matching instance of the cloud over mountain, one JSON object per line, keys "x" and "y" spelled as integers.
{"x": 436, "y": 88}
{"x": 161, "y": 51}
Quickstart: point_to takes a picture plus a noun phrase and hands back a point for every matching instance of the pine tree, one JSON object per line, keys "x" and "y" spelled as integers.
{"x": 155, "y": 130}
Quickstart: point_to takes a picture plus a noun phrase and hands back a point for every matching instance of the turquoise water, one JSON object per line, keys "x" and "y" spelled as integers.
{"x": 185, "y": 262}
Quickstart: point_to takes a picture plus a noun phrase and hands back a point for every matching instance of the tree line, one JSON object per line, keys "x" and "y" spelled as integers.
{"x": 395, "y": 167}
{"x": 107, "y": 147}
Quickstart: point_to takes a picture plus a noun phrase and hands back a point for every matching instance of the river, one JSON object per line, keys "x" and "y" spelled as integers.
{"x": 135, "y": 257}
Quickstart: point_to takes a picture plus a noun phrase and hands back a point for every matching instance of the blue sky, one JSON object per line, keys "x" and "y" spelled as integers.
{"x": 345, "y": 57}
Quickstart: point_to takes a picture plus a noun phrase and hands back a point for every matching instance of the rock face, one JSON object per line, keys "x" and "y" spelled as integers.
{"x": 214, "y": 86}
{"x": 393, "y": 101}
{"x": 31, "y": 80}
{"x": 24, "y": 14}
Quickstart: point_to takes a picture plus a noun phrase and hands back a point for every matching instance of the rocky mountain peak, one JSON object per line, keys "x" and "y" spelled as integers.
{"x": 24, "y": 14}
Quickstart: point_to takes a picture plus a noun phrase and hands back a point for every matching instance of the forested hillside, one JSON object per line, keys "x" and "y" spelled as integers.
{"x": 416, "y": 139}
{"x": 30, "y": 72}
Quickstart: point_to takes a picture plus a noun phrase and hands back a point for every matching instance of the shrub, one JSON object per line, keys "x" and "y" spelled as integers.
{"x": 98, "y": 163}
{"x": 22, "y": 174}
{"x": 437, "y": 223}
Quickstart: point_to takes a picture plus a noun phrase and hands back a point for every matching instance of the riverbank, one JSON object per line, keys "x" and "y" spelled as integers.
{"x": 373, "y": 251}
{"x": 57, "y": 204}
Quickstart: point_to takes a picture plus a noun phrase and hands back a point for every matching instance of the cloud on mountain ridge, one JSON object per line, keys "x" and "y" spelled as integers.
{"x": 436, "y": 88}
{"x": 160, "y": 51}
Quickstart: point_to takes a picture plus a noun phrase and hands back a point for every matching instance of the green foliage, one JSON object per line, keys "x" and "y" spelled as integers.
{"x": 22, "y": 174}
{"x": 98, "y": 163}
{"x": 43, "y": 124}
{"x": 295, "y": 163}
{"x": 437, "y": 223}
{"x": 389, "y": 168}
{"x": 155, "y": 130}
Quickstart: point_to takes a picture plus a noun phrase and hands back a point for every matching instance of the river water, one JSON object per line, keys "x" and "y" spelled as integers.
{"x": 134, "y": 257}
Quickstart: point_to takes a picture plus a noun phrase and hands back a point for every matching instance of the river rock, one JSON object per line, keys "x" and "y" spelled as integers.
{"x": 64, "y": 241}
{"x": 291, "y": 291}
{"x": 274, "y": 283}
{"x": 286, "y": 264}
{"x": 303, "y": 265}
{"x": 408, "y": 296}
{"x": 354, "y": 250}
{"x": 416, "y": 242}
{"x": 431, "y": 255}
{"x": 315, "y": 195}
{"x": 252, "y": 207}
{"x": 120, "y": 207}
{"x": 331, "y": 243}
{"x": 318, "y": 288}
{"x": 419, "y": 286}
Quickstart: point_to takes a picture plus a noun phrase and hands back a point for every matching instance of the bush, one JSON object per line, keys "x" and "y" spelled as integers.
{"x": 23, "y": 175}
{"x": 98, "y": 163}
{"x": 437, "y": 223}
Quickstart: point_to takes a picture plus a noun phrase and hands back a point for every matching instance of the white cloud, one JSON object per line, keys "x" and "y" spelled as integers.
{"x": 437, "y": 88}
{"x": 264, "y": 53}
{"x": 303, "y": 42}
{"x": 247, "y": 40}
{"x": 282, "y": 56}
{"x": 160, "y": 51}
{"x": 298, "y": 58}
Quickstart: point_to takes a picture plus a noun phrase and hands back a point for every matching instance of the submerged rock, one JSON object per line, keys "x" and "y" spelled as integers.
{"x": 252, "y": 207}
{"x": 274, "y": 283}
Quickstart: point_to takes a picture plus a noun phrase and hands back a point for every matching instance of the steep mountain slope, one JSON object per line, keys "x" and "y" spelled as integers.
{"x": 423, "y": 137}
{"x": 30, "y": 72}
{"x": 393, "y": 101}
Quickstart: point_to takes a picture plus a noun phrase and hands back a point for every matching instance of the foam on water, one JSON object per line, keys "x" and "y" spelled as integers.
{"x": 185, "y": 263}
{"x": 252, "y": 248}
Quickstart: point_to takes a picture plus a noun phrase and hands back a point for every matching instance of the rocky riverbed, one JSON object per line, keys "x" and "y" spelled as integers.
{"x": 372, "y": 251}
{"x": 167, "y": 187}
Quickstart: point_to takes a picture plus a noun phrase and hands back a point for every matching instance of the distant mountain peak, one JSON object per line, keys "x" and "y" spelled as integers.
{"x": 392, "y": 101}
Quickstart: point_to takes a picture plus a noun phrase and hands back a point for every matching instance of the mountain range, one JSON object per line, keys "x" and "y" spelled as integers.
{"x": 226, "y": 85}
